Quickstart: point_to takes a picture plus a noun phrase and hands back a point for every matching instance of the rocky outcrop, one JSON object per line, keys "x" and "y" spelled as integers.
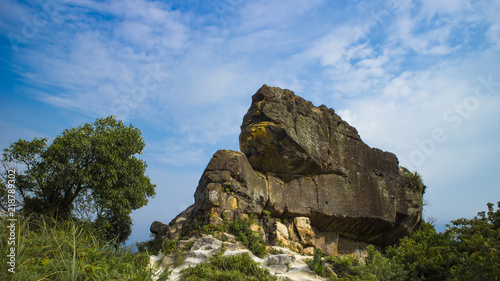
{"x": 308, "y": 178}
{"x": 284, "y": 264}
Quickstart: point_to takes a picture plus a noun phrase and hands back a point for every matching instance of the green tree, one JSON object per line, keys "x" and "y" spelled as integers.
{"x": 89, "y": 172}
{"x": 467, "y": 250}
{"x": 478, "y": 242}
{"x": 425, "y": 254}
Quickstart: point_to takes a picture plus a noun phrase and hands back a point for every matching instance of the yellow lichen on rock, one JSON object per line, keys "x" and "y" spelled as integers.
{"x": 234, "y": 203}
{"x": 258, "y": 131}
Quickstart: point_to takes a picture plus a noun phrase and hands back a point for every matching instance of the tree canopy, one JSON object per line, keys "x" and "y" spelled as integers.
{"x": 89, "y": 172}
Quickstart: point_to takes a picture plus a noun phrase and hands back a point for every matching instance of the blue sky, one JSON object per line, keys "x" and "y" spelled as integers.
{"x": 417, "y": 78}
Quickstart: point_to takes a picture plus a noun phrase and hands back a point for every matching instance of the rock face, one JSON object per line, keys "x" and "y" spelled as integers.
{"x": 306, "y": 167}
{"x": 284, "y": 134}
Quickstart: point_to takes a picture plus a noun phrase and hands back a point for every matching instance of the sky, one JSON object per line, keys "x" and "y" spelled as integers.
{"x": 420, "y": 79}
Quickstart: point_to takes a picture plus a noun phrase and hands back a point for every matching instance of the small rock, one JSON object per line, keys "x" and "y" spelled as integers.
{"x": 281, "y": 259}
{"x": 281, "y": 231}
{"x": 306, "y": 233}
{"x": 308, "y": 251}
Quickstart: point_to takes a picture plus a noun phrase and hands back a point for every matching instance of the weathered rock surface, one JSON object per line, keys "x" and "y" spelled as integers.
{"x": 230, "y": 183}
{"x": 285, "y": 134}
{"x": 286, "y": 265}
{"x": 306, "y": 167}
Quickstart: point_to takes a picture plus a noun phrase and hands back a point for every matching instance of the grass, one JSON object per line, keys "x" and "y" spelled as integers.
{"x": 68, "y": 250}
{"x": 413, "y": 181}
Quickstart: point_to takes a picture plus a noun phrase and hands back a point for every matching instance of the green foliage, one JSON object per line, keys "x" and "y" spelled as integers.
{"x": 152, "y": 246}
{"x": 223, "y": 268}
{"x": 379, "y": 267}
{"x": 266, "y": 213}
{"x": 413, "y": 181}
{"x": 478, "y": 242}
{"x": 468, "y": 250}
{"x": 276, "y": 251}
{"x": 88, "y": 172}
{"x": 164, "y": 275}
{"x": 316, "y": 264}
{"x": 69, "y": 250}
{"x": 188, "y": 246}
{"x": 241, "y": 228}
{"x": 336, "y": 267}
{"x": 425, "y": 254}
{"x": 168, "y": 246}
{"x": 345, "y": 267}
{"x": 211, "y": 228}
{"x": 244, "y": 233}
{"x": 223, "y": 216}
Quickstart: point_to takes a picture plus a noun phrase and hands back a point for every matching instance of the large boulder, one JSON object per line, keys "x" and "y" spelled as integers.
{"x": 285, "y": 134}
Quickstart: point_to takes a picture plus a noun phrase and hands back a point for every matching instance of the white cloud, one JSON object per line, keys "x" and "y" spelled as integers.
{"x": 436, "y": 123}
{"x": 332, "y": 48}
{"x": 274, "y": 13}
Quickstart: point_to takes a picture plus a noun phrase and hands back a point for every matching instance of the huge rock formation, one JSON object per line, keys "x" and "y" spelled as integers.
{"x": 308, "y": 178}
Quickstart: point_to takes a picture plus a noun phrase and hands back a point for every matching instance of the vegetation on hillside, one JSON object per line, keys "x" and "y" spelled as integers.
{"x": 469, "y": 249}
{"x": 241, "y": 228}
{"x": 47, "y": 249}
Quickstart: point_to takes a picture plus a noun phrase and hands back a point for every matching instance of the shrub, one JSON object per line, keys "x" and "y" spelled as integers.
{"x": 381, "y": 268}
{"x": 244, "y": 233}
{"x": 152, "y": 246}
{"x": 316, "y": 264}
{"x": 468, "y": 250}
{"x": 168, "y": 246}
{"x": 425, "y": 254}
{"x": 345, "y": 267}
{"x": 376, "y": 267}
{"x": 235, "y": 268}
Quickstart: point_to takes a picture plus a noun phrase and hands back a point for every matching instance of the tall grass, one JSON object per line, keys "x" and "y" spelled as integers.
{"x": 68, "y": 250}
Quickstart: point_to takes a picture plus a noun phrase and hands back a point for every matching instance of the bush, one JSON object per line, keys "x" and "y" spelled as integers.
{"x": 244, "y": 233}
{"x": 168, "y": 246}
{"x": 345, "y": 267}
{"x": 382, "y": 268}
{"x": 316, "y": 264}
{"x": 468, "y": 250}
{"x": 223, "y": 268}
{"x": 425, "y": 254}
{"x": 151, "y": 247}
